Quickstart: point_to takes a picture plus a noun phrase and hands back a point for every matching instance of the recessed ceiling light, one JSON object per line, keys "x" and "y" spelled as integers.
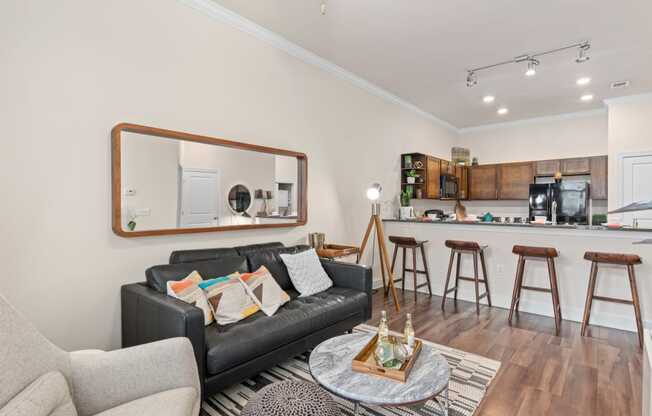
{"x": 502, "y": 111}
{"x": 583, "y": 81}
{"x": 587, "y": 97}
{"x": 488, "y": 99}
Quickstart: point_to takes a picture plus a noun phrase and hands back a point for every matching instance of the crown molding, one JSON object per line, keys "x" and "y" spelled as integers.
{"x": 224, "y": 15}
{"x": 534, "y": 120}
{"x": 629, "y": 99}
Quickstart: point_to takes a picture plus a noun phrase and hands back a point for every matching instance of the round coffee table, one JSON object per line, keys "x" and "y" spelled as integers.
{"x": 330, "y": 366}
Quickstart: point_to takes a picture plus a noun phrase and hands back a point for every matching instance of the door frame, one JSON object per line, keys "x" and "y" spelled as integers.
{"x": 181, "y": 171}
{"x": 621, "y": 172}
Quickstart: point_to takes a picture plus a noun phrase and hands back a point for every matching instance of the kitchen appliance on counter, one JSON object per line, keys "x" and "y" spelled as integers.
{"x": 434, "y": 213}
{"x": 566, "y": 202}
{"x": 449, "y": 186}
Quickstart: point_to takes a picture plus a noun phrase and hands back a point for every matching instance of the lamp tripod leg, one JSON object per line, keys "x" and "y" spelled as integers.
{"x": 384, "y": 258}
{"x": 365, "y": 239}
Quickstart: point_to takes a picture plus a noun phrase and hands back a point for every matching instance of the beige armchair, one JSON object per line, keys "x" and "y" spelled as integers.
{"x": 39, "y": 379}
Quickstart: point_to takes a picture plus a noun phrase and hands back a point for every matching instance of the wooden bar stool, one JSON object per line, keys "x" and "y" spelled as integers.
{"x": 627, "y": 260}
{"x": 549, "y": 254}
{"x": 470, "y": 247}
{"x": 409, "y": 243}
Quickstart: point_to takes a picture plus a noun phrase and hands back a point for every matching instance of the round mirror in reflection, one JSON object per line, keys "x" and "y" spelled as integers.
{"x": 239, "y": 199}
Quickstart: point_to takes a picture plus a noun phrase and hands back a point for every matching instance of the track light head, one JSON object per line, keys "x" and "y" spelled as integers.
{"x": 582, "y": 53}
{"x": 471, "y": 79}
{"x": 531, "y": 67}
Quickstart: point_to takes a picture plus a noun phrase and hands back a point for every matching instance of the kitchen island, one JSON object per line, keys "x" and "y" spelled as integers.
{"x": 573, "y": 271}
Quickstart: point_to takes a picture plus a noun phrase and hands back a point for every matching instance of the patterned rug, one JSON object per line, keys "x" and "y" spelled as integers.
{"x": 470, "y": 377}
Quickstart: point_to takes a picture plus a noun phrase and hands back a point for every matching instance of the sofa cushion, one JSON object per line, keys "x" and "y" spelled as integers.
{"x": 158, "y": 276}
{"x": 48, "y": 395}
{"x": 264, "y": 290}
{"x": 176, "y": 402}
{"x": 306, "y": 272}
{"x": 231, "y": 345}
{"x": 245, "y": 250}
{"x": 229, "y": 299}
{"x": 270, "y": 258}
{"x": 191, "y": 256}
{"x": 188, "y": 290}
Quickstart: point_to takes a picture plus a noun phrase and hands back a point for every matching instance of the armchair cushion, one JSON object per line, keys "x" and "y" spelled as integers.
{"x": 48, "y": 395}
{"x": 105, "y": 380}
{"x": 177, "y": 402}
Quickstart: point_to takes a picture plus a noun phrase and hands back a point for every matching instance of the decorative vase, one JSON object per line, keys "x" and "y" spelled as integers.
{"x": 411, "y": 179}
{"x": 406, "y": 213}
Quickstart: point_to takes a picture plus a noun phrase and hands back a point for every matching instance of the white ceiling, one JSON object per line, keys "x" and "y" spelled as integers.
{"x": 419, "y": 50}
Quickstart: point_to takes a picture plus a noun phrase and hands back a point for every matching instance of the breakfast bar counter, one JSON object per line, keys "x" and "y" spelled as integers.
{"x": 573, "y": 271}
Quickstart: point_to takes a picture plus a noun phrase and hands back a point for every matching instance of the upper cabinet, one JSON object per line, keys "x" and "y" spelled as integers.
{"x": 483, "y": 182}
{"x": 547, "y": 167}
{"x": 433, "y": 169}
{"x": 599, "y": 176}
{"x": 462, "y": 174}
{"x": 514, "y": 180}
{"x": 576, "y": 166}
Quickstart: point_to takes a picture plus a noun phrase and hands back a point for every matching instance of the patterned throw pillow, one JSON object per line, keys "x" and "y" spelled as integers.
{"x": 264, "y": 290}
{"x": 188, "y": 290}
{"x": 306, "y": 272}
{"x": 228, "y": 299}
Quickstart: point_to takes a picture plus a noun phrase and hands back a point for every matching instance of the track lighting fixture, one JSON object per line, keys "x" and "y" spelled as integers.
{"x": 531, "y": 67}
{"x": 582, "y": 53}
{"x": 532, "y": 61}
{"x": 323, "y": 7}
{"x": 471, "y": 79}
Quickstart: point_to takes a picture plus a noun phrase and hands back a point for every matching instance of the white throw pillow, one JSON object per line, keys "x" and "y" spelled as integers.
{"x": 306, "y": 272}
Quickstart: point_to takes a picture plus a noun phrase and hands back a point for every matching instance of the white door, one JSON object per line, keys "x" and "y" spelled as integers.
{"x": 637, "y": 186}
{"x": 199, "y": 198}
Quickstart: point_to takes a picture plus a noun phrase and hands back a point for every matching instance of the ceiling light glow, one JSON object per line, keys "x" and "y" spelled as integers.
{"x": 531, "y": 68}
{"x": 583, "y": 81}
{"x": 586, "y": 97}
{"x": 502, "y": 111}
{"x": 488, "y": 99}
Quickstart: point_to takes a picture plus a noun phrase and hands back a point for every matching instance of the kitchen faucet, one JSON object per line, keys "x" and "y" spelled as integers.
{"x": 554, "y": 212}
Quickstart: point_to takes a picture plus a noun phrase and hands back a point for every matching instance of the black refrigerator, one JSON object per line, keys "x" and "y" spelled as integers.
{"x": 572, "y": 201}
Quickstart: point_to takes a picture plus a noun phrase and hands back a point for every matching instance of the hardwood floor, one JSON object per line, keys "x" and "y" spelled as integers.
{"x": 541, "y": 374}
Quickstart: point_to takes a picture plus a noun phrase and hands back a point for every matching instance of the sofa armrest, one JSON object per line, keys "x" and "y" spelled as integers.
{"x": 352, "y": 276}
{"x": 104, "y": 380}
{"x": 148, "y": 316}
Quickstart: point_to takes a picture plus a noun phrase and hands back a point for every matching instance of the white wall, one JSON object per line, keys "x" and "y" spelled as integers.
{"x": 630, "y": 131}
{"x": 150, "y": 168}
{"x": 72, "y": 69}
{"x": 572, "y": 135}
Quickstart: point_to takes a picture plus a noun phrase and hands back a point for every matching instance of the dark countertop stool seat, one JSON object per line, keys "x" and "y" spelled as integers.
{"x": 627, "y": 260}
{"x": 548, "y": 254}
{"x": 410, "y": 243}
{"x": 475, "y": 249}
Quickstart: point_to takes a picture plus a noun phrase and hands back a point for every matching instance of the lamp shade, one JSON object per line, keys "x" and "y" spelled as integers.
{"x": 374, "y": 192}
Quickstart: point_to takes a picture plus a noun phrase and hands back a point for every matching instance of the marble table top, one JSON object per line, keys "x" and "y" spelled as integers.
{"x": 330, "y": 366}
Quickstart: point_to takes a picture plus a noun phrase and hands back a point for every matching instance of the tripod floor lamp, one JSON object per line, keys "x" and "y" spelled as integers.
{"x": 373, "y": 193}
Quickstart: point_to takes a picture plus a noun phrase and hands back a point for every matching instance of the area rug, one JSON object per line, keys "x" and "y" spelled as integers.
{"x": 470, "y": 377}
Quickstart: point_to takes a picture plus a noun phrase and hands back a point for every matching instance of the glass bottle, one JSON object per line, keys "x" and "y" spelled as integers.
{"x": 408, "y": 335}
{"x": 384, "y": 352}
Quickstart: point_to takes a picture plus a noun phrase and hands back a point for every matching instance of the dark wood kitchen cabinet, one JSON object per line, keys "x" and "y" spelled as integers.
{"x": 548, "y": 167}
{"x": 599, "y": 177}
{"x": 462, "y": 174}
{"x": 433, "y": 174}
{"x": 514, "y": 180}
{"x": 576, "y": 166}
{"x": 483, "y": 182}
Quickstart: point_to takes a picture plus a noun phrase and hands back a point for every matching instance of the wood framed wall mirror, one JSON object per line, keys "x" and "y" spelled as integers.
{"x": 168, "y": 182}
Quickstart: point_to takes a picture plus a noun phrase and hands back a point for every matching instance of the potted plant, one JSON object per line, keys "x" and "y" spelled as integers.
{"x": 411, "y": 176}
{"x": 406, "y": 211}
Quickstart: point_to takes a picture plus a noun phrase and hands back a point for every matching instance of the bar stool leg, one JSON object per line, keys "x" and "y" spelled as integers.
{"x": 457, "y": 275}
{"x": 476, "y": 282}
{"x": 448, "y": 278}
{"x": 520, "y": 285}
{"x": 590, "y": 291}
{"x": 414, "y": 271}
{"x": 403, "y": 274}
{"x": 637, "y": 305}
{"x": 425, "y": 269}
{"x": 553, "y": 266}
{"x": 394, "y": 258}
{"x": 517, "y": 283}
{"x": 486, "y": 279}
{"x": 555, "y": 294}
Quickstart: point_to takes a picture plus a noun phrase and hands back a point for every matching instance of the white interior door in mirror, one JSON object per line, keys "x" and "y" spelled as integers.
{"x": 637, "y": 186}
{"x": 199, "y": 198}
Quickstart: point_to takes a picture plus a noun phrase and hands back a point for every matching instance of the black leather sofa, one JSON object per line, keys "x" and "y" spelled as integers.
{"x": 229, "y": 354}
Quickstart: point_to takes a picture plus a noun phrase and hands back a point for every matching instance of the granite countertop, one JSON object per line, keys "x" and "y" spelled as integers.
{"x": 502, "y": 224}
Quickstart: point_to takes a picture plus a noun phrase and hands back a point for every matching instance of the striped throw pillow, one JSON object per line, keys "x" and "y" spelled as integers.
{"x": 228, "y": 299}
{"x": 188, "y": 290}
{"x": 264, "y": 290}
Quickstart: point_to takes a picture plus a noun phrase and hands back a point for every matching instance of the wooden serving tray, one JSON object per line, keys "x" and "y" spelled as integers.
{"x": 365, "y": 362}
{"x": 333, "y": 251}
